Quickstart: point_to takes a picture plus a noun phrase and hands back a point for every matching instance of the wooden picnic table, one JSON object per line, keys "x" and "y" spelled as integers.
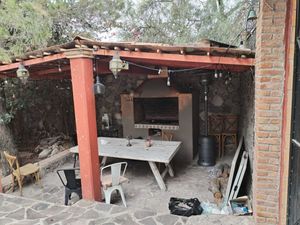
{"x": 159, "y": 152}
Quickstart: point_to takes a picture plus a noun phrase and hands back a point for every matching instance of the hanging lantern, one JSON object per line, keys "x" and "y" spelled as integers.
{"x": 99, "y": 88}
{"x": 116, "y": 65}
{"x": 22, "y": 73}
{"x": 251, "y": 15}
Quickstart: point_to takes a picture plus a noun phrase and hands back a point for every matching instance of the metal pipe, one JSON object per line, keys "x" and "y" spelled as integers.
{"x": 204, "y": 83}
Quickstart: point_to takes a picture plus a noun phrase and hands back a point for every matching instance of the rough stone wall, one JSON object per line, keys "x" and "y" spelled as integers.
{"x": 110, "y": 102}
{"x": 246, "y": 128}
{"x": 49, "y": 107}
{"x": 223, "y": 97}
{"x": 247, "y": 113}
{"x": 269, "y": 82}
{"x": 48, "y": 111}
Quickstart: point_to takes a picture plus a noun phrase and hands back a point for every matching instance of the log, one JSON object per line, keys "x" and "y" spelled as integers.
{"x": 226, "y": 170}
{"x": 223, "y": 181}
{"x": 214, "y": 187}
{"x": 217, "y": 171}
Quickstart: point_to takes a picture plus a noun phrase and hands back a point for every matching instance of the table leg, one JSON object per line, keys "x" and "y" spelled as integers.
{"x": 75, "y": 155}
{"x": 170, "y": 169}
{"x": 157, "y": 176}
{"x": 104, "y": 159}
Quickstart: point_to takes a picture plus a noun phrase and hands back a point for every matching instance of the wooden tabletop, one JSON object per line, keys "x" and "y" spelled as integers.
{"x": 160, "y": 151}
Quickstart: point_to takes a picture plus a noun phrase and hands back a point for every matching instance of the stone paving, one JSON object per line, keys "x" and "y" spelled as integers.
{"x": 141, "y": 191}
{"x": 15, "y": 210}
{"x": 147, "y": 204}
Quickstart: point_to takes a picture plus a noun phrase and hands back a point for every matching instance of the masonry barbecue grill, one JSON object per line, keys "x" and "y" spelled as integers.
{"x": 155, "y": 108}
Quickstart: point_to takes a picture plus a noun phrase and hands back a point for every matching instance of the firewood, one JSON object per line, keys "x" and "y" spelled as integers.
{"x": 217, "y": 171}
{"x": 226, "y": 170}
{"x": 223, "y": 181}
{"x": 214, "y": 187}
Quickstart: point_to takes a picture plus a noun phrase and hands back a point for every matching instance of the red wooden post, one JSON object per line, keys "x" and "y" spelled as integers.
{"x": 85, "y": 114}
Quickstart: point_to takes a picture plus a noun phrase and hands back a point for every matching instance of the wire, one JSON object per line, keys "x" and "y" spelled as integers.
{"x": 142, "y": 66}
{"x": 171, "y": 70}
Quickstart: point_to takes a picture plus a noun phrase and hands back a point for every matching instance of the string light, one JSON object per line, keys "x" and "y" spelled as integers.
{"x": 168, "y": 82}
{"x": 59, "y": 67}
{"x": 216, "y": 74}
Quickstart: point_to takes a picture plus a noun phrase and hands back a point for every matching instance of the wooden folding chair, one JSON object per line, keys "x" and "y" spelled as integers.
{"x": 166, "y": 136}
{"x": 19, "y": 173}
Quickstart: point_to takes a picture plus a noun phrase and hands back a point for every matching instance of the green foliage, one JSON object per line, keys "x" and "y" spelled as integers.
{"x": 11, "y": 100}
{"x": 184, "y": 21}
{"x": 24, "y": 26}
{"x": 88, "y": 18}
{"x": 28, "y": 25}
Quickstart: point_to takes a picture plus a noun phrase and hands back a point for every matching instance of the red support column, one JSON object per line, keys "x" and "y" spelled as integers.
{"x": 85, "y": 114}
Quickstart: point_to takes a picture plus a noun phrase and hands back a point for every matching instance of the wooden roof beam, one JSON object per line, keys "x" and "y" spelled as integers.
{"x": 31, "y": 62}
{"x": 180, "y": 60}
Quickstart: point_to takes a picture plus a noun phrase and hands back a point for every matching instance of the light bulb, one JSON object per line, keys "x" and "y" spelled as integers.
{"x": 168, "y": 82}
{"x": 216, "y": 74}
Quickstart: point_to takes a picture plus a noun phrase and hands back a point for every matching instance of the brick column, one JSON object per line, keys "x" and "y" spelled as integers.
{"x": 269, "y": 89}
{"x": 85, "y": 114}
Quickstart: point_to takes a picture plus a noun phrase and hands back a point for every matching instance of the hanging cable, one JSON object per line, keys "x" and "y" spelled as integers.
{"x": 171, "y": 70}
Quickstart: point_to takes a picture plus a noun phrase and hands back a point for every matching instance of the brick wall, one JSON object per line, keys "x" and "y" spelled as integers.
{"x": 269, "y": 86}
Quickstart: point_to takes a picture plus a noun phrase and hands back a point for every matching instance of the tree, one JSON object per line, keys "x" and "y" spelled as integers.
{"x": 88, "y": 18}
{"x": 24, "y": 26}
{"x": 183, "y": 21}
{"x": 28, "y": 25}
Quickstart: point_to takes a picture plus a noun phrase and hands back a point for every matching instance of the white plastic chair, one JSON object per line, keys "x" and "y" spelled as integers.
{"x": 114, "y": 180}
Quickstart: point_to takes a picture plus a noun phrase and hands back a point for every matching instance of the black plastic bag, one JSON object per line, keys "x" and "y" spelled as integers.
{"x": 185, "y": 207}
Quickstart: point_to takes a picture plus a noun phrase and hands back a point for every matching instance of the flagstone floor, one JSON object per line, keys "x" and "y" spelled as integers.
{"x": 141, "y": 191}
{"x": 147, "y": 204}
{"x": 15, "y": 210}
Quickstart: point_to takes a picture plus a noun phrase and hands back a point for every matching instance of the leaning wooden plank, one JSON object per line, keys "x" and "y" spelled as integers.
{"x": 241, "y": 177}
{"x": 238, "y": 176}
{"x": 233, "y": 168}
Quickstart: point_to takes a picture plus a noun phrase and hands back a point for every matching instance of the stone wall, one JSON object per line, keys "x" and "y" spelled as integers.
{"x": 223, "y": 97}
{"x": 247, "y": 113}
{"x": 48, "y": 111}
{"x": 110, "y": 102}
{"x": 49, "y": 108}
{"x": 246, "y": 128}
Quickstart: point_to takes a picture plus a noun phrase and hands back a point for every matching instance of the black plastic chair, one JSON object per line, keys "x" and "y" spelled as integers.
{"x": 71, "y": 184}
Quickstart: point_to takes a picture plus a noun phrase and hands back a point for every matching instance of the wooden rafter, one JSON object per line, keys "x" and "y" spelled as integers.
{"x": 35, "y": 61}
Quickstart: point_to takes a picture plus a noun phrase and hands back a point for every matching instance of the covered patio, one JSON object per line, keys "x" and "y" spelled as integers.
{"x": 82, "y": 60}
